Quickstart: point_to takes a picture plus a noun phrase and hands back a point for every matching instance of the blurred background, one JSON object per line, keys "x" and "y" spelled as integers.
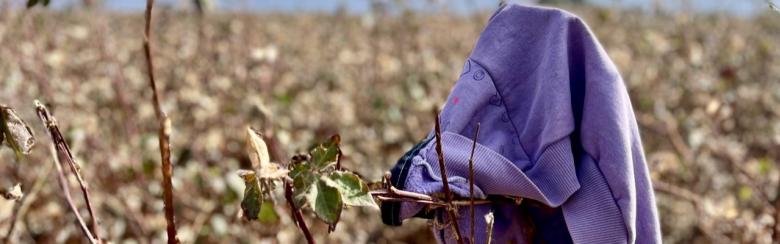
{"x": 704, "y": 79}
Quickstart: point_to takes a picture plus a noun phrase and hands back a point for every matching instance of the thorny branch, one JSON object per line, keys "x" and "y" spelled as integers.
{"x": 164, "y": 132}
{"x": 63, "y": 153}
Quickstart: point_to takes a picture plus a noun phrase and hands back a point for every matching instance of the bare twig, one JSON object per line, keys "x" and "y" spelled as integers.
{"x": 66, "y": 192}
{"x": 63, "y": 151}
{"x": 434, "y": 203}
{"x": 163, "y": 133}
{"x": 442, "y": 167}
{"x": 409, "y": 194}
{"x": 471, "y": 181}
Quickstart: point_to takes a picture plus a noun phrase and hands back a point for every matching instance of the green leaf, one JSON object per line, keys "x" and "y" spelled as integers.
{"x": 354, "y": 191}
{"x": 326, "y": 154}
{"x": 326, "y": 202}
{"x": 18, "y": 134}
{"x": 268, "y": 213}
{"x": 251, "y": 205}
{"x": 303, "y": 179}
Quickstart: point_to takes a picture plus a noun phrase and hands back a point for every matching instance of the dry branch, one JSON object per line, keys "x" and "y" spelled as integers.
{"x": 471, "y": 182}
{"x": 66, "y": 192}
{"x": 442, "y": 167}
{"x": 62, "y": 153}
{"x": 164, "y": 131}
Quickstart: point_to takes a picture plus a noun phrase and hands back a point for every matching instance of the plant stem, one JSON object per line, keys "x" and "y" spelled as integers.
{"x": 471, "y": 181}
{"x": 66, "y": 192}
{"x": 63, "y": 150}
{"x": 445, "y": 183}
{"x": 297, "y": 214}
{"x": 278, "y": 155}
{"x": 164, "y": 131}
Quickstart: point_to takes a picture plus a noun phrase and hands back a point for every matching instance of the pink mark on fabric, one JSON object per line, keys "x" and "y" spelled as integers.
{"x": 455, "y": 101}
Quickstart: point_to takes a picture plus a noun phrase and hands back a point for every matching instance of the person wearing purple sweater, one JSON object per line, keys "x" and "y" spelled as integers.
{"x": 557, "y": 129}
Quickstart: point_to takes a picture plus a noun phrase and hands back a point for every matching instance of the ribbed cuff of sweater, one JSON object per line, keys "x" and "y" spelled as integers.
{"x": 551, "y": 179}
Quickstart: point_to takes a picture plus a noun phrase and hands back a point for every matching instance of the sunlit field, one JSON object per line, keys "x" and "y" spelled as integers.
{"x": 705, "y": 88}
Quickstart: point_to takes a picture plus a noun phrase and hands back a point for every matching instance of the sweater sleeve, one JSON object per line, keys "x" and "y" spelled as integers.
{"x": 501, "y": 165}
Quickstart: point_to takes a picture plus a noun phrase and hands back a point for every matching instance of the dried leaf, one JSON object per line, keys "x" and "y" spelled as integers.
{"x": 354, "y": 190}
{"x": 18, "y": 134}
{"x": 251, "y": 205}
{"x": 258, "y": 153}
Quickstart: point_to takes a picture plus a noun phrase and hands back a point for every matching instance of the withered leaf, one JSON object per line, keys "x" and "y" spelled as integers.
{"x": 18, "y": 134}
{"x": 258, "y": 153}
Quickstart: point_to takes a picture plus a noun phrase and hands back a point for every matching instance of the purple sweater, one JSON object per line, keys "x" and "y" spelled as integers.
{"x": 557, "y": 128}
